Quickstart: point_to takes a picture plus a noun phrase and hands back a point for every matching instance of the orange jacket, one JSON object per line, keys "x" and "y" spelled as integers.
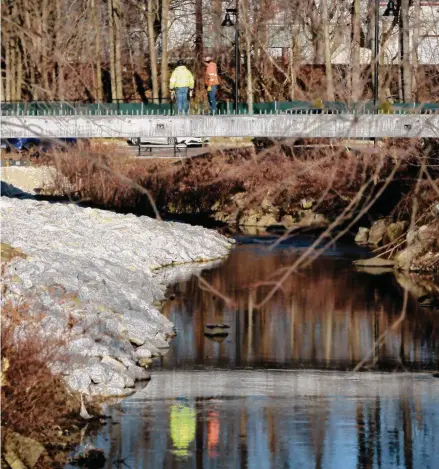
{"x": 211, "y": 74}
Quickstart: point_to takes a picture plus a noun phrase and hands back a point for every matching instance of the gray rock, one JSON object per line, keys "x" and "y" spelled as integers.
{"x": 129, "y": 380}
{"x": 426, "y": 235}
{"x": 377, "y": 231}
{"x": 394, "y": 231}
{"x": 86, "y": 346}
{"x": 362, "y": 236}
{"x": 143, "y": 352}
{"x": 250, "y": 217}
{"x": 313, "y": 220}
{"x": 411, "y": 237}
{"x": 139, "y": 373}
{"x": 78, "y": 380}
{"x": 145, "y": 362}
{"x": 374, "y": 270}
{"x": 375, "y": 262}
{"x": 239, "y": 199}
{"x": 108, "y": 390}
{"x": 404, "y": 259}
{"x": 116, "y": 365}
{"x": 288, "y": 221}
{"x": 267, "y": 219}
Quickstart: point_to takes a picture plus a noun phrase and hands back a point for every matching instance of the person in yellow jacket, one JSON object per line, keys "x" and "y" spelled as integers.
{"x": 181, "y": 82}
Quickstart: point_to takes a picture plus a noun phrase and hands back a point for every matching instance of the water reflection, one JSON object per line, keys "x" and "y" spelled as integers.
{"x": 328, "y": 316}
{"x": 270, "y": 420}
{"x": 245, "y": 403}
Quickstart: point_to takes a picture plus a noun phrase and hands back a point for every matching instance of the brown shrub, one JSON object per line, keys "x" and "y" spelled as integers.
{"x": 285, "y": 174}
{"x": 33, "y": 398}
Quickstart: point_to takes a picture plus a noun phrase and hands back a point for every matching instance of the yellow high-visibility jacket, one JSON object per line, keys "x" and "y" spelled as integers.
{"x": 181, "y": 78}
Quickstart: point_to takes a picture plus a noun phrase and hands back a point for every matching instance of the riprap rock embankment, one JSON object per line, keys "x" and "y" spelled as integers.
{"x": 93, "y": 277}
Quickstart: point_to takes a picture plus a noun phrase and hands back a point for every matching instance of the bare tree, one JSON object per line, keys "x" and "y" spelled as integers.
{"x": 164, "y": 69}
{"x": 415, "y": 46}
{"x": 317, "y": 33}
{"x": 355, "y": 90}
{"x": 44, "y": 47}
{"x": 117, "y": 15}
{"x": 151, "y": 15}
{"x": 96, "y": 27}
{"x": 57, "y": 51}
{"x": 244, "y": 14}
{"x": 404, "y": 41}
{"x": 199, "y": 43}
{"x": 327, "y": 43}
{"x": 112, "y": 54}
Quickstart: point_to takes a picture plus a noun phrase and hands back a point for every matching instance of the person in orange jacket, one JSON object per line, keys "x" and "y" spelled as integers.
{"x": 211, "y": 81}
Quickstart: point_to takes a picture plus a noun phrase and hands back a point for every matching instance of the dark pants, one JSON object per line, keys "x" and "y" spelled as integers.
{"x": 212, "y": 98}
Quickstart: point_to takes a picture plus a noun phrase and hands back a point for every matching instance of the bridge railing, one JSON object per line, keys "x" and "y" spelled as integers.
{"x": 65, "y": 108}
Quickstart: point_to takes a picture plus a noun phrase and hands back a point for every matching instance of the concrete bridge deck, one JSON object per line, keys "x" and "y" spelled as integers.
{"x": 264, "y": 125}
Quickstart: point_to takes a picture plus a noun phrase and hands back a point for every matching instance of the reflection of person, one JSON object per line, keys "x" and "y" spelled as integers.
{"x": 182, "y": 81}
{"x": 183, "y": 423}
{"x": 213, "y": 427}
{"x": 211, "y": 81}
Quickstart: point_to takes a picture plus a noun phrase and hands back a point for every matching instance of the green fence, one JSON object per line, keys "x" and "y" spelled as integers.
{"x": 41, "y": 108}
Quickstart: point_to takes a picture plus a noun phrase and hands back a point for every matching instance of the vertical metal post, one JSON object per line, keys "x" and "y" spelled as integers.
{"x": 236, "y": 57}
{"x": 376, "y": 61}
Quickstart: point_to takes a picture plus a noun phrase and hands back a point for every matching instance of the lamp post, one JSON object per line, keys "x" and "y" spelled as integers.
{"x": 389, "y": 11}
{"x": 229, "y": 23}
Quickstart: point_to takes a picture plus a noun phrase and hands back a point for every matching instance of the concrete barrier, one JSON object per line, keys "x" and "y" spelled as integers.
{"x": 271, "y": 125}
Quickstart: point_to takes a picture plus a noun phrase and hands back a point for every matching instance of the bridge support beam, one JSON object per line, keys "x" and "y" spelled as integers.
{"x": 280, "y": 125}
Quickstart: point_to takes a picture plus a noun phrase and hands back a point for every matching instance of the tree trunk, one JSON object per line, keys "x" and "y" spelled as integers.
{"x": 293, "y": 55}
{"x": 404, "y": 35}
{"x": 57, "y": 52}
{"x": 117, "y": 15}
{"x": 328, "y": 62}
{"x": 13, "y": 68}
{"x": 2, "y": 90}
{"x": 30, "y": 52}
{"x": 96, "y": 26}
{"x": 112, "y": 54}
{"x": 19, "y": 77}
{"x": 245, "y": 13}
{"x": 164, "y": 64}
{"x": 4, "y": 80}
{"x": 198, "y": 44}
{"x": 152, "y": 52}
{"x": 8, "y": 67}
{"x": 45, "y": 48}
{"x": 415, "y": 47}
{"x": 317, "y": 34}
{"x": 355, "y": 77}
{"x": 217, "y": 13}
{"x": 386, "y": 78}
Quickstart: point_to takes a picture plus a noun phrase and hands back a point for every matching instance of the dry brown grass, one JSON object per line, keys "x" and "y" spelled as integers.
{"x": 284, "y": 174}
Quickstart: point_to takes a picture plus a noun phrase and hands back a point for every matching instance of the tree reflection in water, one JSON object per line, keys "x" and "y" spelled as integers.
{"x": 326, "y": 316}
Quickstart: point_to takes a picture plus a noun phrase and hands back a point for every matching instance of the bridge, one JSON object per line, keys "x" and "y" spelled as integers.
{"x": 325, "y": 121}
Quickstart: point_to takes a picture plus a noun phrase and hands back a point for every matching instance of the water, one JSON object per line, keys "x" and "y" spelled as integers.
{"x": 279, "y": 391}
